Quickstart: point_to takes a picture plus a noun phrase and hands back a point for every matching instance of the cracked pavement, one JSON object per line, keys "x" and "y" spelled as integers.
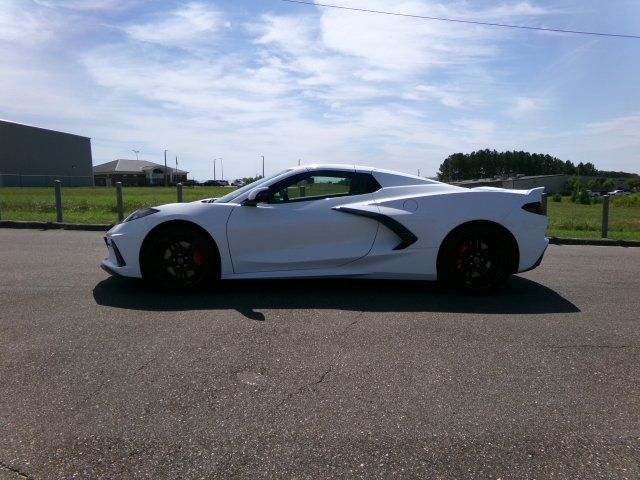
{"x": 105, "y": 378}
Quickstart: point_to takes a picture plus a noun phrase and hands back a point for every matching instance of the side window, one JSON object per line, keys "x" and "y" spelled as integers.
{"x": 314, "y": 187}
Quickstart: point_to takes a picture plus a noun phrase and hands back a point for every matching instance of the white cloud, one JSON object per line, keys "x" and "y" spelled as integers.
{"x": 514, "y": 11}
{"x": 327, "y": 85}
{"x": 521, "y": 107}
{"x": 23, "y": 25}
{"x": 87, "y": 5}
{"x": 398, "y": 48}
{"x": 307, "y": 86}
{"x": 190, "y": 24}
{"x": 446, "y": 95}
{"x": 619, "y": 132}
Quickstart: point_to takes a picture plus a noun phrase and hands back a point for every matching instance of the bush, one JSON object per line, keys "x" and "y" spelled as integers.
{"x": 574, "y": 195}
{"x": 626, "y": 200}
{"x": 584, "y": 198}
{"x": 557, "y": 197}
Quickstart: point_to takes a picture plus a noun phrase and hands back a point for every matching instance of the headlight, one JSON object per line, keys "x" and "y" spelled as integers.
{"x": 143, "y": 212}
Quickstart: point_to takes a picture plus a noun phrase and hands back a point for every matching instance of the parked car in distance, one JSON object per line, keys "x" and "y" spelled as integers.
{"x": 216, "y": 183}
{"x": 618, "y": 192}
{"x": 593, "y": 194}
{"x": 238, "y": 183}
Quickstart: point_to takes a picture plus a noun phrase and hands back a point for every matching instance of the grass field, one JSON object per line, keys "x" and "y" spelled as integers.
{"x": 92, "y": 204}
{"x": 572, "y": 220}
{"x": 98, "y": 205}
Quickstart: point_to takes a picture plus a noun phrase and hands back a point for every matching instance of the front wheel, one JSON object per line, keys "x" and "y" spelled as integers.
{"x": 476, "y": 259}
{"x": 179, "y": 257}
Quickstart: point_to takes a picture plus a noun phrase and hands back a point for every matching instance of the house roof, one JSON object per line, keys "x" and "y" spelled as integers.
{"x": 124, "y": 165}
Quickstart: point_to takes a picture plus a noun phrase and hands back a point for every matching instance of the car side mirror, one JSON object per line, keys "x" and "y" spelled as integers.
{"x": 256, "y": 196}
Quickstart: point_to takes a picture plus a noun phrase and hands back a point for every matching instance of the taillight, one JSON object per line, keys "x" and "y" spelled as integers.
{"x": 534, "y": 207}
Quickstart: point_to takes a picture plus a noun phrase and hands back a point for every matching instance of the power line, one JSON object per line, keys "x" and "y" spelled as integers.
{"x": 457, "y": 20}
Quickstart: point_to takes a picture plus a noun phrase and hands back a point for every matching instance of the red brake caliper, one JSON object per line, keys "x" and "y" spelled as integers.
{"x": 197, "y": 257}
{"x": 460, "y": 250}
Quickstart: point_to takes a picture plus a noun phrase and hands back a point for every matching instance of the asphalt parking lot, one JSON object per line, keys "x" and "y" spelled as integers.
{"x": 105, "y": 378}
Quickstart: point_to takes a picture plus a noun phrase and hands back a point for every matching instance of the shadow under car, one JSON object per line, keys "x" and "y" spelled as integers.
{"x": 518, "y": 296}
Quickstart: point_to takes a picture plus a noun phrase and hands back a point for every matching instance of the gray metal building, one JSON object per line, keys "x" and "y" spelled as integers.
{"x": 35, "y": 157}
{"x": 551, "y": 183}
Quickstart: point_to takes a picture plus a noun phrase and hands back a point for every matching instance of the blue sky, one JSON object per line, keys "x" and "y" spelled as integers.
{"x": 240, "y": 79}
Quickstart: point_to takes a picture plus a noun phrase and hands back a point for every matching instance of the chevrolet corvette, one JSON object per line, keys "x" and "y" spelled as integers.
{"x": 335, "y": 221}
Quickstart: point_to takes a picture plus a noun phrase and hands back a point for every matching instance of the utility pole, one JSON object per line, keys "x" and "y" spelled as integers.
{"x": 214, "y": 168}
{"x": 262, "y": 165}
{"x": 221, "y": 169}
{"x": 165, "y": 169}
{"x": 175, "y": 174}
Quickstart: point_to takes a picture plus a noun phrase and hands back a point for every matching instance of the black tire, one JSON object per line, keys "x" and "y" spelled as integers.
{"x": 476, "y": 259}
{"x": 179, "y": 258}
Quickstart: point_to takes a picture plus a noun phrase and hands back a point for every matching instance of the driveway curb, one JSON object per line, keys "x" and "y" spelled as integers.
{"x": 603, "y": 242}
{"x": 99, "y": 227}
{"x": 91, "y": 227}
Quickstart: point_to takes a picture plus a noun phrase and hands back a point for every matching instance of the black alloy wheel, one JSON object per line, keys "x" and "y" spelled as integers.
{"x": 179, "y": 258}
{"x": 476, "y": 259}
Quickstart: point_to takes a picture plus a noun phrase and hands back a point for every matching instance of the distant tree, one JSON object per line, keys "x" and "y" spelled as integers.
{"x": 489, "y": 163}
{"x": 569, "y": 168}
{"x": 634, "y": 183}
{"x": 609, "y": 184}
{"x": 248, "y": 180}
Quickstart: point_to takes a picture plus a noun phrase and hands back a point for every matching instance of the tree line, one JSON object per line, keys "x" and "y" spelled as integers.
{"x": 490, "y": 163}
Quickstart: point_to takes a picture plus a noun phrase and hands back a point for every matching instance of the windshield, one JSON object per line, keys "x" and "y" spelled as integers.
{"x": 236, "y": 193}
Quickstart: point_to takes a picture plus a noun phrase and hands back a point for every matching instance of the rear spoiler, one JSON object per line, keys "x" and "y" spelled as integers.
{"x": 535, "y": 192}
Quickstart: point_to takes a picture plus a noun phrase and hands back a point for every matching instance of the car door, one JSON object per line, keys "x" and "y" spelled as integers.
{"x": 298, "y": 228}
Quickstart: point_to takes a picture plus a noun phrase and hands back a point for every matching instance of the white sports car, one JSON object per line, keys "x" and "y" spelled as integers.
{"x": 336, "y": 221}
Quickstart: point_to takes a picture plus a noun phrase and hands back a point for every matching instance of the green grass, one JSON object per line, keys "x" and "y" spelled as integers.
{"x": 98, "y": 205}
{"x": 568, "y": 219}
{"x": 91, "y": 204}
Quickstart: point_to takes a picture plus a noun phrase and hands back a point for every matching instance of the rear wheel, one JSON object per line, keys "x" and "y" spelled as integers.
{"x": 476, "y": 259}
{"x": 179, "y": 257}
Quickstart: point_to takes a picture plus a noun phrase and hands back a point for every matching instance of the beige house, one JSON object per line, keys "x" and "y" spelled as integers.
{"x": 136, "y": 173}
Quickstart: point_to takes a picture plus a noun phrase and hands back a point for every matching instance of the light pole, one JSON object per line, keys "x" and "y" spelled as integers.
{"x": 136, "y": 152}
{"x": 214, "y": 168}
{"x": 262, "y": 165}
{"x": 165, "y": 168}
{"x": 221, "y": 169}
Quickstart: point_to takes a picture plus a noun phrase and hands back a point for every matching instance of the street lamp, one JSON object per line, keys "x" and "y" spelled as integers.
{"x": 165, "y": 168}
{"x": 136, "y": 152}
{"x": 221, "y": 169}
{"x": 262, "y": 165}
{"x": 214, "y": 168}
